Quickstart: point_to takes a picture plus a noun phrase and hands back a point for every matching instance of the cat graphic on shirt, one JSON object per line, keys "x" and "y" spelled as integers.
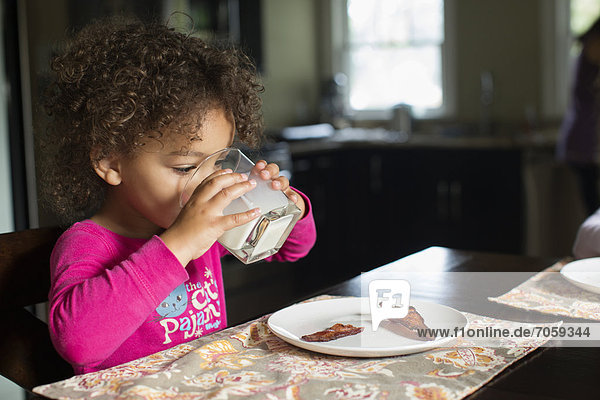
{"x": 174, "y": 304}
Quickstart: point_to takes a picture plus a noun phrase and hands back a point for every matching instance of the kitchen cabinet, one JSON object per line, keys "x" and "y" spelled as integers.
{"x": 460, "y": 198}
{"x": 333, "y": 180}
{"x": 374, "y": 204}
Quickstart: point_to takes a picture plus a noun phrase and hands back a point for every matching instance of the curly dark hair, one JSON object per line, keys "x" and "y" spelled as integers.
{"x": 119, "y": 81}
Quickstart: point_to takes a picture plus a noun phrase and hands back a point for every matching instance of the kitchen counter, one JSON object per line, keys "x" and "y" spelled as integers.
{"x": 358, "y": 137}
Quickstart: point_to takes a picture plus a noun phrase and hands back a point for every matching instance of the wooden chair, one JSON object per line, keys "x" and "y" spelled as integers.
{"x": 27, "y": 356}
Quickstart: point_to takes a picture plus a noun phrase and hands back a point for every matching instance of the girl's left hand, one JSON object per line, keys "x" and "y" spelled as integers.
{"x": 271, "y": 171}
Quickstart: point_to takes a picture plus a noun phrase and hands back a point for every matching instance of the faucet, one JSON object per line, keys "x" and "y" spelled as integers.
{"x": 486, "y": 98}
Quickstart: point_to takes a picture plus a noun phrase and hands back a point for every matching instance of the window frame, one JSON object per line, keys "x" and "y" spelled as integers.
{"x": 339, "y": 49}
{"x": 556, "y": 60}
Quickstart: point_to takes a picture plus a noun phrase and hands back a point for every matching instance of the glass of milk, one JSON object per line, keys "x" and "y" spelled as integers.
{"x": 263, "y": 236}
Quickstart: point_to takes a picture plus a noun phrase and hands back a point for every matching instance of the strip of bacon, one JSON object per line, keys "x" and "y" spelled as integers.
{"x": 410, "y": 326}
{"x": 334, "y": 332}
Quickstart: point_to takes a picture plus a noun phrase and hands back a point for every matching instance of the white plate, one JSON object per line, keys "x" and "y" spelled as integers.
{"x": 291, "y": 323}
{"x": 584, "y": 273}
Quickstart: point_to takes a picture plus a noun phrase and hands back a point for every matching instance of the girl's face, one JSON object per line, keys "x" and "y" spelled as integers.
{"x": 147, "y": 197}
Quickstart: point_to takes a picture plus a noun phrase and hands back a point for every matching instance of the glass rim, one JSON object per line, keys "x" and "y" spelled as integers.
{"x": 197, "y": 167}
{"x": 223, "y": 150}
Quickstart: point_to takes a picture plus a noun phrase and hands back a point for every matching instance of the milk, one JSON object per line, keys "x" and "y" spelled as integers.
{"x": 265, "y": 235}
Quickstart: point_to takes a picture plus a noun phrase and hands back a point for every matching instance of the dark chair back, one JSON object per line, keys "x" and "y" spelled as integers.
{"x": 27, "y": 356}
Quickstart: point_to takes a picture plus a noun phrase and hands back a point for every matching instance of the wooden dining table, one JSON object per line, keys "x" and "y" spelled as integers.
{"x": 547, "y": 373}
{"x": 463, "y": 280}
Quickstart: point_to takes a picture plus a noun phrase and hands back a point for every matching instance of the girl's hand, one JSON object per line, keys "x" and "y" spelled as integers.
{"x": 271, "y": 171}
{"x": 201, "y": 221}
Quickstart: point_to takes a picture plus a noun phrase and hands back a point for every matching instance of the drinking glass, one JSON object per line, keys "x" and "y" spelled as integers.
{"x": 263, "y": 236}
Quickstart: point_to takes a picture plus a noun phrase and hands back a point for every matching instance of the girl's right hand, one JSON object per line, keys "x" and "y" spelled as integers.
{"x": 201, "y": 221}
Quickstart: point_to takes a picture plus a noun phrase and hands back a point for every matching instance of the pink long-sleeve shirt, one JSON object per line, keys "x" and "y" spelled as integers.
{"x": 114, "y": 299}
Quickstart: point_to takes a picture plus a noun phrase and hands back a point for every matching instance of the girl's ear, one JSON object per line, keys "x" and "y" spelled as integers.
{"x": 108, "y": 168}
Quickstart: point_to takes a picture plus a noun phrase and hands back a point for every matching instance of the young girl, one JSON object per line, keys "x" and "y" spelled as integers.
{"x": 135, "y": 107}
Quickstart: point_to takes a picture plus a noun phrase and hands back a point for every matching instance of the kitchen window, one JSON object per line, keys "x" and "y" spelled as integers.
{"x": 397, "y": 51}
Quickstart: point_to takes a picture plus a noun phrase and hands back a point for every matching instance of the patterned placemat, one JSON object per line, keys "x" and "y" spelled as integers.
{"x": 549, "y": 293}
{"x": 248, "y": 361}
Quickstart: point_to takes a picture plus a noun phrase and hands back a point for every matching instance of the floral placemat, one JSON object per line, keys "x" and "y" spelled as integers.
{"x": 549, "y": 293}
{"x": 248, "y": 361}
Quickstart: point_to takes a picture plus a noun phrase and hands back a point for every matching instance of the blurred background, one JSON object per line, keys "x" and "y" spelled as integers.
{"x": 409, "y": 123}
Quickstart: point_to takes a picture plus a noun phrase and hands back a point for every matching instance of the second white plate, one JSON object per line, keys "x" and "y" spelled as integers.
{"x": 291, "y": 323}
{"x": 584, "y": 273}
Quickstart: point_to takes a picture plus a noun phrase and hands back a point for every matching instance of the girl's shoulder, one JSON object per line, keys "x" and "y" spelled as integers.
{"x": 93, "y": 231}
{"x": 86, "y": 230}
{"x": 88, "y": 237}
{"x": 81, "y": 237}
